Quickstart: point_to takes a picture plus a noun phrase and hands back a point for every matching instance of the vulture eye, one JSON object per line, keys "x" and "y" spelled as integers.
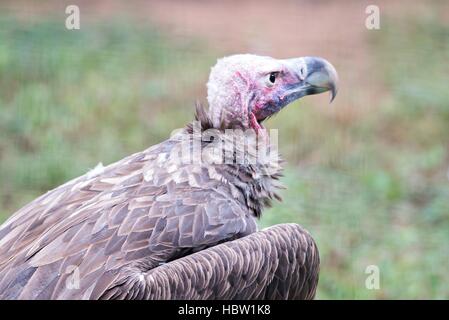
{"x": 273, "y": 76}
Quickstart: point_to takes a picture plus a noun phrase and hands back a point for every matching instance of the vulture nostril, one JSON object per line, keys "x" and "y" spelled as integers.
{"x": 302, "y": 71}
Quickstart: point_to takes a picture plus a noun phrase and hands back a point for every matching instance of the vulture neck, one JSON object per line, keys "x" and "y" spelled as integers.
{"x": 247, "y": 164}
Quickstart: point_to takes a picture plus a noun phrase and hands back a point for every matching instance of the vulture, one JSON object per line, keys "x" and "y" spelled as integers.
{"x": 177, "y": 220}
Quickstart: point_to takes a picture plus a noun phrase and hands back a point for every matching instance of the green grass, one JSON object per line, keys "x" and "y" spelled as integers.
{"x": 378, "y": 190}
{"x": 69, "y": 99}
{"x": 372, "y": 190}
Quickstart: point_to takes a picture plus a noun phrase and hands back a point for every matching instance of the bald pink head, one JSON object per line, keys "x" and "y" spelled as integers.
{"x": 245, "y": 89}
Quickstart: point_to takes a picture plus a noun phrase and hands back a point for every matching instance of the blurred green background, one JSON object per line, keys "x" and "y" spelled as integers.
{"x": 368, "y": 176}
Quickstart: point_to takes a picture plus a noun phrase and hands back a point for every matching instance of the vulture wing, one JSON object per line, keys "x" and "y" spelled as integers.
{"x": 281, "y": 262}
{"x": 137, "y": 213}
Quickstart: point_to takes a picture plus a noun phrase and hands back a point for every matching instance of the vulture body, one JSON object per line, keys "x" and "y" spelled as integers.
{"x": 155, "y": 226}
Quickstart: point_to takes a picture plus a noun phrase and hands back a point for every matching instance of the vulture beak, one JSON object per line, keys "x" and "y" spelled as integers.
{"x": 314, "y": 75}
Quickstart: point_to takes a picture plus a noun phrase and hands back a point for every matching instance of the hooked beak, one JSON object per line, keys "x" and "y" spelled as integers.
{"x": 315, "y": 75}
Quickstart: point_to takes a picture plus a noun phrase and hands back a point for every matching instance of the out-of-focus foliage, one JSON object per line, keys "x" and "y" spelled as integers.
{"x": 69, "y": 100}
{"x": 372, "y": 191}
{"x": 378, "y": 191}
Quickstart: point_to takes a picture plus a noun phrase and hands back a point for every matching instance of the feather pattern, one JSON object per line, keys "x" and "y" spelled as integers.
{"x": 151, "y": 227}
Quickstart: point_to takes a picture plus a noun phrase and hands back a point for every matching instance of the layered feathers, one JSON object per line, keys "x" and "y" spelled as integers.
{"x": 151, "y": 226}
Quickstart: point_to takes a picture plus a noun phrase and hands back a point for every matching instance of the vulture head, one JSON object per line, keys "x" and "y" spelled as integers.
{"x": 245, "y": 89}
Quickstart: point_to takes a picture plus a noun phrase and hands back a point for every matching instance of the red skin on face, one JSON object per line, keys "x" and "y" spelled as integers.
{"x": 265, "y": 93}
{"x": 253, "y": 122}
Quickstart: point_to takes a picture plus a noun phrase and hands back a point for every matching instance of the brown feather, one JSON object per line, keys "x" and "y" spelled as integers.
{"x": 116, "y": 227}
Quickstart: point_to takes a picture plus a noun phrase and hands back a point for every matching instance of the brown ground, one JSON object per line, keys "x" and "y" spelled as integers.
{"x": 332, "y": 29}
